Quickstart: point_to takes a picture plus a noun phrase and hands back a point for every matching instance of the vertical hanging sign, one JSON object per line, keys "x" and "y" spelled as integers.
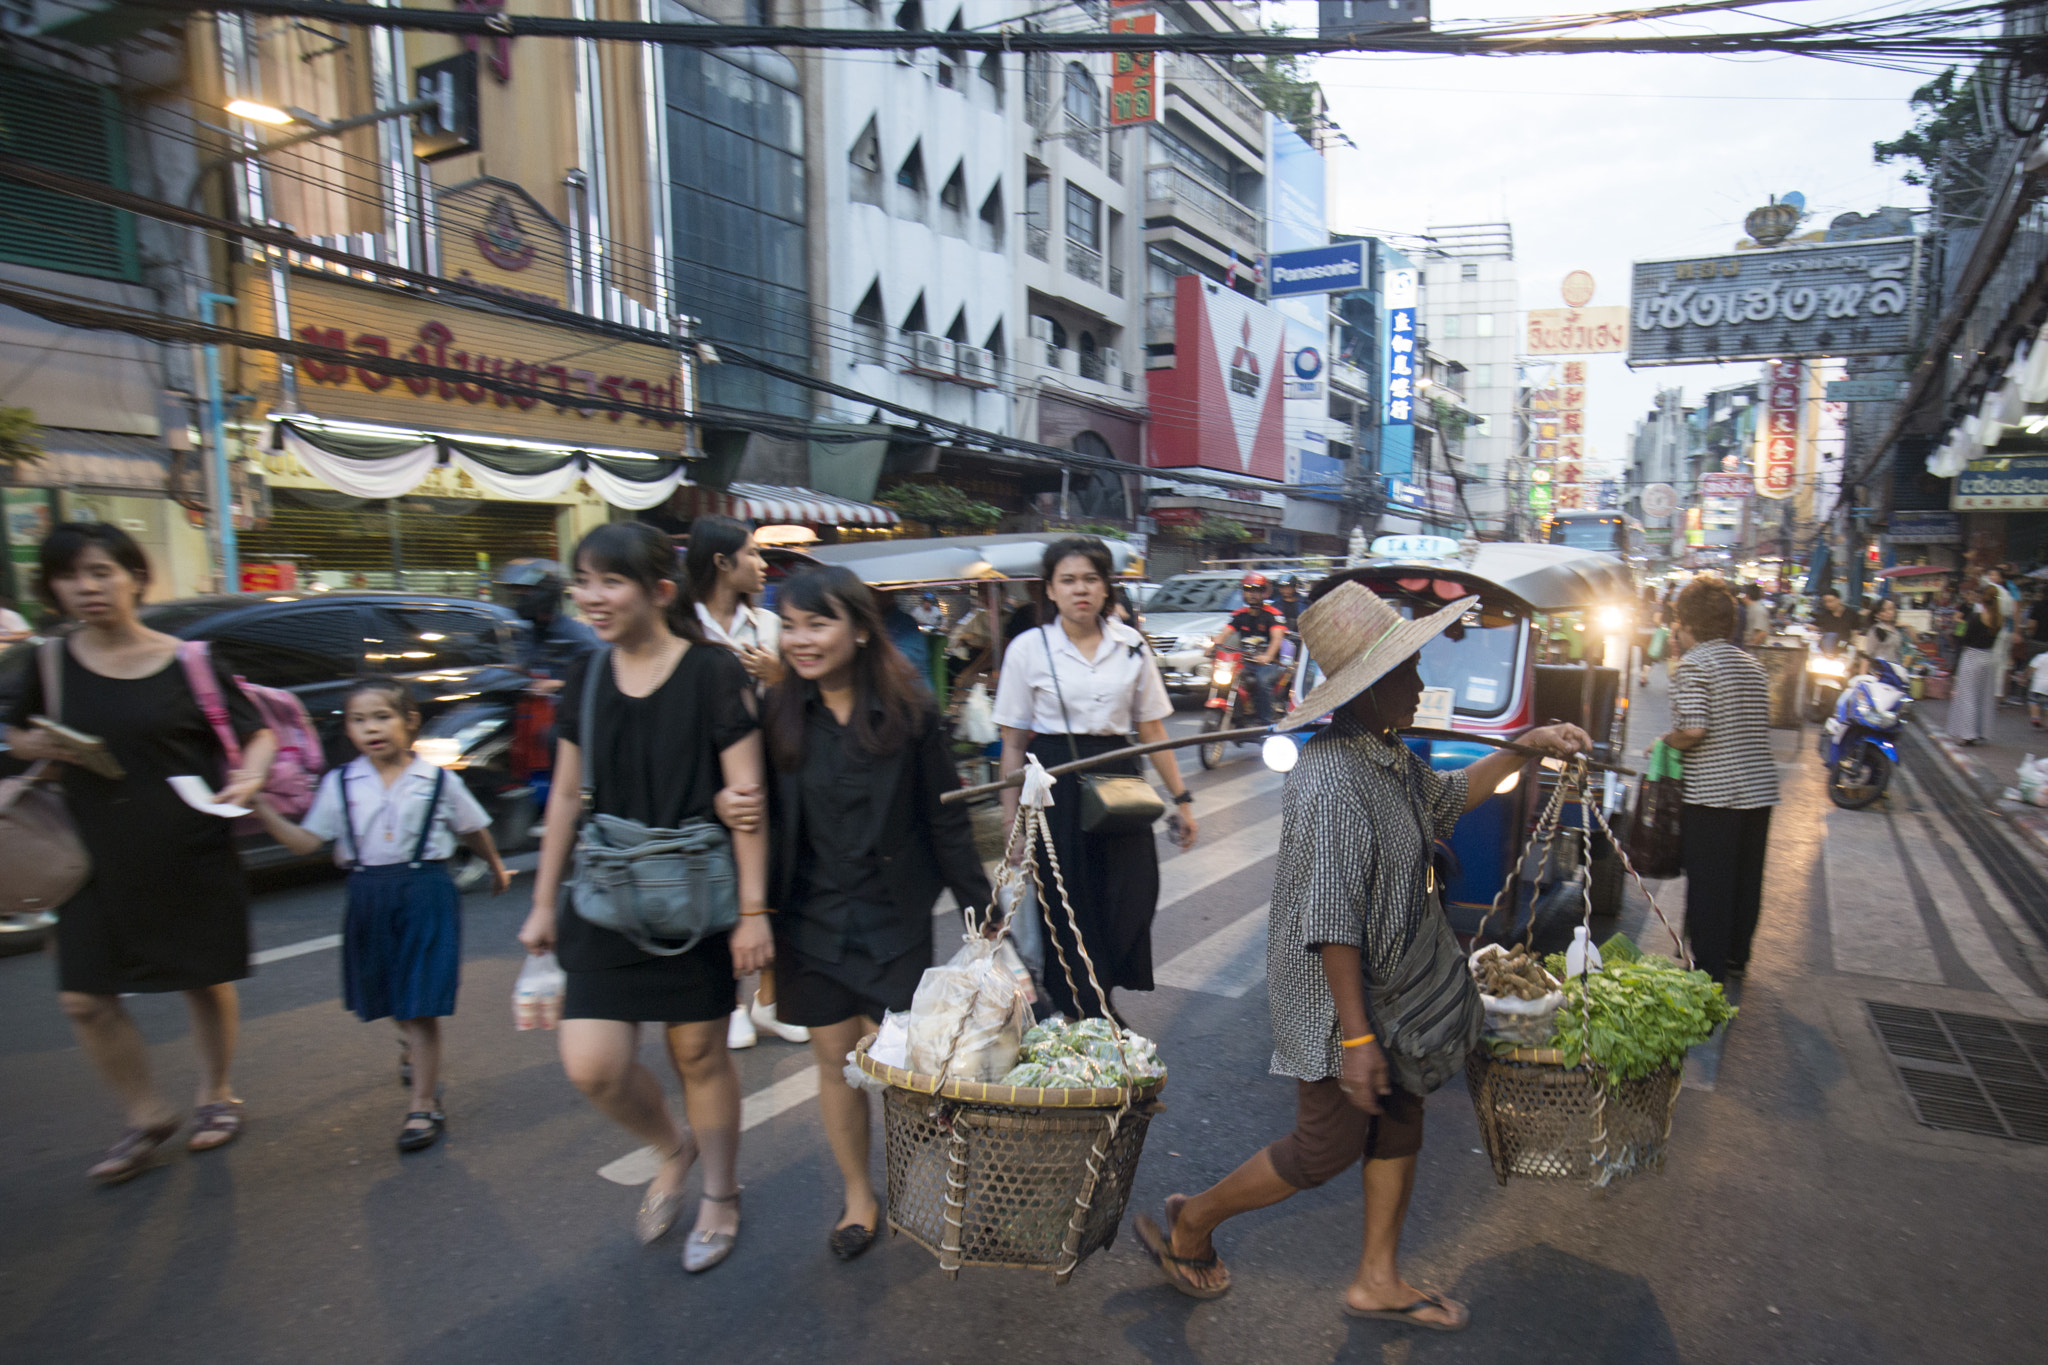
{"x": 1777, "y": 443}
{"x": 1401, "y": 369}
{"x": 1132, "y": 96}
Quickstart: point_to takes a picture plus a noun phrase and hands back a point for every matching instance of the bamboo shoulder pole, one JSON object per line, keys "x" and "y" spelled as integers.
{"x": 1016, "y": 779}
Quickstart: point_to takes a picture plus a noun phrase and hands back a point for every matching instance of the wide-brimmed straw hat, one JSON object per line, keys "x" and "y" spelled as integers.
{"x": 1357, "y": 638}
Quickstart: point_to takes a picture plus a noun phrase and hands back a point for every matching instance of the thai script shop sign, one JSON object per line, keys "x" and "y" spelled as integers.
{"x": 2013, "y": 483}
{"x": 535, "y": 355}
{"x": 1847, "y": 298}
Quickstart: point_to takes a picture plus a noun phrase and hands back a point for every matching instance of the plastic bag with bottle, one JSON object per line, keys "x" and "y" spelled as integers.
{"x": 537, "y": 994}
{"x": 968, "y": 1017}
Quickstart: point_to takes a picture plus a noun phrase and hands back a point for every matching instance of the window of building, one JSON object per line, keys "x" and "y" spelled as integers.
{"x": 1038, "y": 87}
{"x": 992, "y": 76}
{"x": 914, "y": 320}
{"x": 761, "y": 13}
{"x": 953, "y": 60}
{"x": 1482, "y": 325}
{"x": 73, "y": 126}
{"x": 1479, "y": 377}
{"x": 953, "y": 202}
{"x": 1469, "y": 270}
{"x": 1037, "y": 211}
{"x": 910, "y": 15}
{"x": 910, "y": 185}
{"x": 1113, "y": 244}
{"x": 1184, "y": 152}
{"x": 1084, "y": 217}
{"x": 868, "y": 327}
{"x": 1083, "y": 105}
{"x": 866, "y": 156}
{"x": 994, "y": 344}
{"x": 992, "y": 219}
{"x": 737, "y": 199}
{"x": 1453, "y": 325}
{"x": 958, "y": 331}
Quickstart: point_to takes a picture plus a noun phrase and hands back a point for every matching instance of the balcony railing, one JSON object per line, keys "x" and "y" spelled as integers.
{"x": 1038, "y": 241}
{"x": 1175, "y": 185}
{"x": 1116, "y": 280}
{"x": 1084, "y": 261}
{"x": 1083, "y": 139}
{"x": 1116, "y": 165}
{"x": 1093, "y": 366}
{"x": 1211, "y": 81}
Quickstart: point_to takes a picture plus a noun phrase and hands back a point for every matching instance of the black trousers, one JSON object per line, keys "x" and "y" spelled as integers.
{"x": 1724, "y": 883}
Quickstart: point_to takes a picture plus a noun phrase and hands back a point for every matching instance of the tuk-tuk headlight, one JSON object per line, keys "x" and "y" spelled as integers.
{"x": 1279, "y": 753}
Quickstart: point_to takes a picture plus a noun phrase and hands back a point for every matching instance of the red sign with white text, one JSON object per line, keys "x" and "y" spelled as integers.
{"x": 1777, "y": 440}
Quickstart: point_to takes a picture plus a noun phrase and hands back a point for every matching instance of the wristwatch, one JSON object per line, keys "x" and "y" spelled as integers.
{"x": 1186, "y": 798}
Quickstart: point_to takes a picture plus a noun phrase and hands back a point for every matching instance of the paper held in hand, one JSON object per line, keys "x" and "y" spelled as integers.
{"x": 198, "y": 794}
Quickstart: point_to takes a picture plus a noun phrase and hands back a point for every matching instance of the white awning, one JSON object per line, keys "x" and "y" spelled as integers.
{"x": 806, "y": 506}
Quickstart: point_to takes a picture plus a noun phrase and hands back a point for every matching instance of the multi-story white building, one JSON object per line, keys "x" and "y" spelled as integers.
{"x": 1470, "y": 303}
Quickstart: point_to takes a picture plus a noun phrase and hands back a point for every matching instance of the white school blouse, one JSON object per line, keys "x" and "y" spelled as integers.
{"x": 754, "y": 626}
{"x": 387, "y": 820}
{"x": 1106, "y": 695}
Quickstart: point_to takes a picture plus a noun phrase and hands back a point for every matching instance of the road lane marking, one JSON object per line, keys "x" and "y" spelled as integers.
{"x": 639, "y": 1166}
{"x": 1874, "y": 925}
{"x": 1206, "y": 864}
{"x": 1227, "y": 963}
{"x": 311, "y": 945}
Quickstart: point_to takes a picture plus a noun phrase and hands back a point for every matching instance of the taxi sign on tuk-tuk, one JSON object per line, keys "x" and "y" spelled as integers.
{"x": 1414, "y": 547}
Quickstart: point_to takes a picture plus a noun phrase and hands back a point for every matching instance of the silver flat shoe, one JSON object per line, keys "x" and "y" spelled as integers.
{"x": 658, "y": 1211}
{"x": 706, "y": 1249}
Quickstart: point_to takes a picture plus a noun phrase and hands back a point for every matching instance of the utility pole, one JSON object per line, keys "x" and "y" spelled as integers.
{"x": 220, "y": 493}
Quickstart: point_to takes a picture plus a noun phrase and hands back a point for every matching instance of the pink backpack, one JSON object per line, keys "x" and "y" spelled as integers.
{"x": 295, "y": 772}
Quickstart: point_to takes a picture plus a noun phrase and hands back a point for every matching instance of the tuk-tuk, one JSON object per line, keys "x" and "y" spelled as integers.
{"x": 1490, "y": 675}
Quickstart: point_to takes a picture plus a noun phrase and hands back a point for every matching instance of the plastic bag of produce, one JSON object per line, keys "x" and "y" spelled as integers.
{"x": 968, "y": 1018}
{"x": 1520, "y": 997}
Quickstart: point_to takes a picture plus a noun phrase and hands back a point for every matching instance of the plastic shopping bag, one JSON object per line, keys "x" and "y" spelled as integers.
{"x": 968, "y": 1018}
{"x": 2033, "y": 775}
{"x": 978, "y": 717}
{"x": 1654, "y": 845}
{"x": 537, "y": 994}
{"x": 1660, "y": 640}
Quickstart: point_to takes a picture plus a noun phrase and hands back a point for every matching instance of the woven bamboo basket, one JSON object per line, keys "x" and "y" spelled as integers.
{"x": 1540, "y": 1118}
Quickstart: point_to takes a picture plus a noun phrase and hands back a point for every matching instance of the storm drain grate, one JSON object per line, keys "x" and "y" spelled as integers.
{"x": 1969, "y": 1073}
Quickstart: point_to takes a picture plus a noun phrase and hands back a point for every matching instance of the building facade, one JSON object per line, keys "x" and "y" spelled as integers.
{"x": 1470, "y": 305}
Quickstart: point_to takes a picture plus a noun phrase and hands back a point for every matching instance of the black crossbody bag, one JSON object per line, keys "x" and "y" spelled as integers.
{"x": 1111, "y": 803}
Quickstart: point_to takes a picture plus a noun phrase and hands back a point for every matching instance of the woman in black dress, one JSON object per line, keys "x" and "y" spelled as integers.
{"x": 862, "y": 847}
{"x": 1075, "y": 688}
{"x": 166, "y": 908}
{"x": 674, "y": 723}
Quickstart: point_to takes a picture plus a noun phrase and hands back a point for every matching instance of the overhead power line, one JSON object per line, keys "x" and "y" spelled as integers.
{"x": 1951, "y": 34}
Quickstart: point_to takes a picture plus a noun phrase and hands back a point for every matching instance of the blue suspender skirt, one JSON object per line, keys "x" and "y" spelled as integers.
{"x": 401, "y": 940}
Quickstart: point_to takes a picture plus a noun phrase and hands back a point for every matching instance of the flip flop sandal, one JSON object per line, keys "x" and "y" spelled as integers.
{"x": 132, "y": 1153}
{"x": 1407, "y": 1314}
{"x": 411, "y": 1139}
{"x": 1159, "y": 1246}
{"x": 215, "y": 1125}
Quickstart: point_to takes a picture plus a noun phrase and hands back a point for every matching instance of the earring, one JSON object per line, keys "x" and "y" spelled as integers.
{"x": 861, "y": 642}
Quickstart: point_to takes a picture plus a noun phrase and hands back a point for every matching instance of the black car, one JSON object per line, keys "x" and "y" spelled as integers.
{"x": 460, "y": 656}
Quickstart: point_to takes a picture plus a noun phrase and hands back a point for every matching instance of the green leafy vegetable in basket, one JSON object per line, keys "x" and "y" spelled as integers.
{"x": 1632, "y": 1017}
{"x": 1060, "y": 1054}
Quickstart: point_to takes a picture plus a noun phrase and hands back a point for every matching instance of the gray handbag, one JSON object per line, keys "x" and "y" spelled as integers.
{"x": 644, "y": 883}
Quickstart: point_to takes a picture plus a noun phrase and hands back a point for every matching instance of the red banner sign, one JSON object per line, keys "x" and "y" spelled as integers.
{"x": 1777, "y": 440}
{"x": 1133, "y": 96}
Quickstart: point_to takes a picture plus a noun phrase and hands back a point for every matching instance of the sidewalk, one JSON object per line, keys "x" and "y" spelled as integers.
{"x": 1992, "y": 768}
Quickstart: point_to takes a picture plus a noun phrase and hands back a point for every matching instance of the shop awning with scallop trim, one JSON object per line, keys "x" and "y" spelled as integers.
{"x": 774, "y": 503}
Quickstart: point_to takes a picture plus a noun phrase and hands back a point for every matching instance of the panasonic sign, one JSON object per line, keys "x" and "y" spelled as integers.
{"x": 1318, "y": 270}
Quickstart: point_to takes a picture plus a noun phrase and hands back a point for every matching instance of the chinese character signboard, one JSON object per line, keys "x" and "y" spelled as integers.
{"x": 1777, "y": 438}
{"x": 1847, "y": 298}
{"x": 1132, "y": 95}
{"x": 1401, "y": 357}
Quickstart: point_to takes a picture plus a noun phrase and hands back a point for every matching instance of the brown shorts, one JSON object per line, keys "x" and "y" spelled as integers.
{"x": 1330, "y": 1133}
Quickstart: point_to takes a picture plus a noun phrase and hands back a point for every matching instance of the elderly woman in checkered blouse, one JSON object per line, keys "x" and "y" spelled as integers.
{"x": 1353, "y": 895}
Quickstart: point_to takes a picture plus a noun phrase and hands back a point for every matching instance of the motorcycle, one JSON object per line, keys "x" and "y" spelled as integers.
{"x": 1856, "y": 743}
{"x": 1230, "y": 696}
{"x": 1827, "y": 673}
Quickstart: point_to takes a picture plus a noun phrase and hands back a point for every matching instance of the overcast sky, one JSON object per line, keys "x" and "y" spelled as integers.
{"x": 1600, "y": 160}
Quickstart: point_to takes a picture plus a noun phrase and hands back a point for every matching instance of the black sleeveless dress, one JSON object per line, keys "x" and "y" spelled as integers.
{"x": 167, "y": 908}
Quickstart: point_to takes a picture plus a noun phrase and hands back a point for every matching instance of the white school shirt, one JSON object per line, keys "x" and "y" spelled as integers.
{"x": 754, "y": 626}
{"x": 1106, "y": 695}
{"x": 2037, "y": 680}
{"x": 387, "y": 820}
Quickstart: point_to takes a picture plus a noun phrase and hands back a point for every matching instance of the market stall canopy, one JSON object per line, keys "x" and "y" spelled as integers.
{"x": 953, "y": 559}
{"x": 1915, "y": 571}
{"x": 1546, "y": 577}
{"x": 773, "y": 503}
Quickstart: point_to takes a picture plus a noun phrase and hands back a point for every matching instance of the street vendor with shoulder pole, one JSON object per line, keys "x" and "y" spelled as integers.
{"x": 1372, "y": 1002}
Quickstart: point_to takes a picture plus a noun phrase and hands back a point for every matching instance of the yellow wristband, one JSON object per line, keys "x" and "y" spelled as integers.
{"x": 1361, "y": 1040}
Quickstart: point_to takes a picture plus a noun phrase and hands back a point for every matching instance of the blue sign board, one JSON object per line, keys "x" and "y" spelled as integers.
{"x": 2000, "y": 483}
{"x": 1925, "y": 528}
{"x": 1318, "y": 270}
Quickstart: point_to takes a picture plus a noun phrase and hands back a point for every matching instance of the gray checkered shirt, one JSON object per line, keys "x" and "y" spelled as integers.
{"x": 1357, "y": 820}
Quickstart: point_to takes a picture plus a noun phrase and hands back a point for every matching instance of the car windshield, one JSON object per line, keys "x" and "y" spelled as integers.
{"x": 1196, "y": 594}
{"x": 1588, "y": 533}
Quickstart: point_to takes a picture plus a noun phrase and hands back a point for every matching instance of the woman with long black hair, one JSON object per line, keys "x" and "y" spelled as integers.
{"x": 674, "y": 723}
{"x": 862, "y": 846}
{"x": 1076, "y": 687}
{"x": 724, "y": 572}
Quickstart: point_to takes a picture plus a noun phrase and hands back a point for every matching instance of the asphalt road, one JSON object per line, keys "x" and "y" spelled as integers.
{"x": 1803, "y": 1215}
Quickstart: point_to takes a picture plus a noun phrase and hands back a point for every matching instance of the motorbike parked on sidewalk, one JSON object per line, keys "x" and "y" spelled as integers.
{"x": 1857, "y": 743}
{"x": 1230, "y": 702}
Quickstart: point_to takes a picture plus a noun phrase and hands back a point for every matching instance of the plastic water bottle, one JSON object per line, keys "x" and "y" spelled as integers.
{"x": 1582, "y": 956}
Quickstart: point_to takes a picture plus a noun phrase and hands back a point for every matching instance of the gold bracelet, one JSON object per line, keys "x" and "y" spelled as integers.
{"x": 1361, "y": 1040}
{"x": 744, "y": 914}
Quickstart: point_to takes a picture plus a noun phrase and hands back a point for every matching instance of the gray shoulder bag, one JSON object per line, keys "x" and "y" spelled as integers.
{"x": 644, "y": 883}
{"x": 1111, "y": 803}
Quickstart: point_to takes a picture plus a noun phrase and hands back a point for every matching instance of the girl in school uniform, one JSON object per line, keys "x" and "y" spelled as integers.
{"x": 394, "y": 820}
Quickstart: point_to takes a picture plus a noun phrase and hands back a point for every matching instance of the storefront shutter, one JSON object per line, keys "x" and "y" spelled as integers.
{"x": 72, "y": 126}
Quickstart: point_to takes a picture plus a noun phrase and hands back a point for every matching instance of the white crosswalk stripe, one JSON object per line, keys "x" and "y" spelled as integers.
{"x": 1227, "y": 963}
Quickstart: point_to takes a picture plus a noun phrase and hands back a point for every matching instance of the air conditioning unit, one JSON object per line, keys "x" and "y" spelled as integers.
{"x": 1041, "y": 329}
{"x": 975, "y": 365}
{"x": 928, "y": 354}
{"x": 1112, "y": 366}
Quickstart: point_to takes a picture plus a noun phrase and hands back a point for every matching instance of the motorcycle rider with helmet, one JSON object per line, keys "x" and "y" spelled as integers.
{"x": 1259, "y": 631}
{"x": 533, "y": 589}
